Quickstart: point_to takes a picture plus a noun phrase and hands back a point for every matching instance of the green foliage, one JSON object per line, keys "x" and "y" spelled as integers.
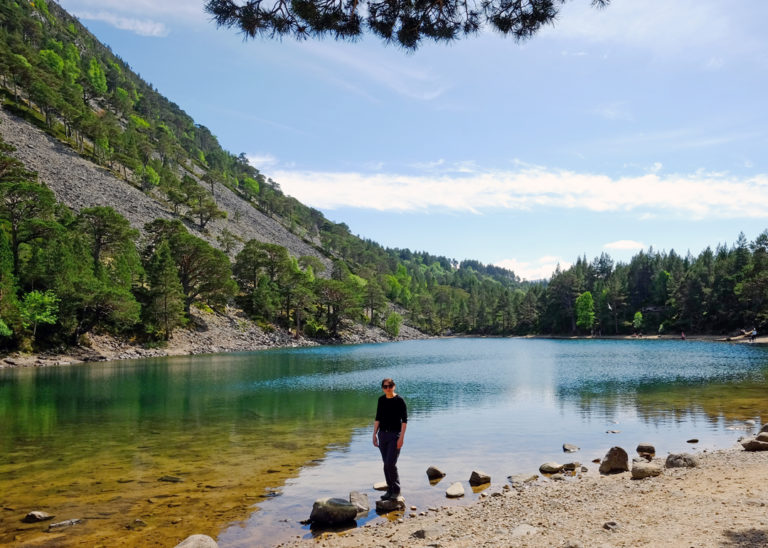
{"x": 38, "y": 307}
{"x": 392, "y": 324}
{"x": 96, "y": 78}
{"x": 52, "y": 61}
{"x": 585, "y": 311}
{"x": 637, "y": 321}
{"x": 165, "y": 307}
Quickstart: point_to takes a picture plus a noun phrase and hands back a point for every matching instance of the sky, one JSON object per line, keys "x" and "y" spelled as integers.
{"x": 641, "y": 125}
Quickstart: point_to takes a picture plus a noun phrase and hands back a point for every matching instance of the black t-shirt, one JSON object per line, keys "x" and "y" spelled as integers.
{"x": 390, "y": 412}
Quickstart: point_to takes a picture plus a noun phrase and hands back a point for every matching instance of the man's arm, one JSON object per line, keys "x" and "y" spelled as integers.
{"x": 375, "y": 431}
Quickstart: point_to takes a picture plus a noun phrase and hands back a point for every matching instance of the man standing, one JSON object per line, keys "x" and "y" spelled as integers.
{"x": 389, "y": 434}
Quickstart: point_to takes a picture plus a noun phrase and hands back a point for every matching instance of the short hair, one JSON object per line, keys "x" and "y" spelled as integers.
{"x": 387, "y": 381}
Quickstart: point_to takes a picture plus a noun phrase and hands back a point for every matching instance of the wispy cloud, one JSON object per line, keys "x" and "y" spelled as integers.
{"x": 624, "y": 245}
{"x": 167, "y": 10}
{"x": 692, "y": 196}
{"x": 261, "y": 161}
{"x": 142, "y": 27}
{"x": 537, "y": 269}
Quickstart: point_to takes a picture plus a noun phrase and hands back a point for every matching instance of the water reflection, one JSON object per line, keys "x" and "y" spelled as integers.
{"x": 240, "y": 429}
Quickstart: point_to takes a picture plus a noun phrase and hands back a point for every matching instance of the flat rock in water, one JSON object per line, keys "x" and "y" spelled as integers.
{"x": 198, "y": 541}
{"x": 642, "y": 470}
{"x": 360, "y": 500}
{"x": 433, "y": 472}
{"x": 479, "y": 478}
{"x": 615, "y": 460}
{"x": 37, "y": 516}
{"x": 692, "y": 440}
{"x": 752, "y": 444}
{"x": 569, "y": 448}
{"x": 380, "y": 486}
{"x": 390, "y": 505}
{"x": 332, "y": 511}
{"x": 550, "y": 468}
{"x": 681, "y": 460}
{"x": 571, "y": 466}
{"x": 455, "y": 490}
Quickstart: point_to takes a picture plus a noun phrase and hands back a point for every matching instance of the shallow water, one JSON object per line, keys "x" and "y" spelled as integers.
{"x": 256, "y": 437}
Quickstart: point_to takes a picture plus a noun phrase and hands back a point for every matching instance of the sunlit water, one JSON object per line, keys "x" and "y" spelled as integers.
{"x": 256, "y": 438}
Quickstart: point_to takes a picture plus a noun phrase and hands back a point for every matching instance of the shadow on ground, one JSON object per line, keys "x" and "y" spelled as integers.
{"x": 746, "y": 538}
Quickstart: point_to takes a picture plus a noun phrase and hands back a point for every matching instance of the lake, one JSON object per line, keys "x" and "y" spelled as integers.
{"x": 238, "y": 446}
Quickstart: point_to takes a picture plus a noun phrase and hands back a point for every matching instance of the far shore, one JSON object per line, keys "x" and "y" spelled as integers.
{"x": 232, "y": 332}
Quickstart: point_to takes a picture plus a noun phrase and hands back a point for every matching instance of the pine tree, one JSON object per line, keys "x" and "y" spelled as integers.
{"x": 165, "y": 309}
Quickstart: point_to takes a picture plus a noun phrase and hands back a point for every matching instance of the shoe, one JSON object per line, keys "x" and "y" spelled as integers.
{"x": 386, "y": 496}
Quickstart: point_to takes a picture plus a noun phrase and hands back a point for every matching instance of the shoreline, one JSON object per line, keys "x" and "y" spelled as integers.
{"x": 214, "y": 333}
{"x": 721, "y": 502}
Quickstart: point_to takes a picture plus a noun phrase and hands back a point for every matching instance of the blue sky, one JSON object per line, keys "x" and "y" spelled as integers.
{"x": 644, "y": 124}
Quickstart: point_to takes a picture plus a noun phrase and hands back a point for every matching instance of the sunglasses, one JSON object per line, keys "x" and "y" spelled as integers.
{"x": 387, "y": 385}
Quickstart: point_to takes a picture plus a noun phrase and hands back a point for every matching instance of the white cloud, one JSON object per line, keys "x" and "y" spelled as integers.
{"x": 538, "y": 269}
{"x": 169, "y": 10}
{"x": 692, "y": 196}
{"x": 142, "y": 27}
{"x": 624, "y": 245}
{"x": 261, "y": 161}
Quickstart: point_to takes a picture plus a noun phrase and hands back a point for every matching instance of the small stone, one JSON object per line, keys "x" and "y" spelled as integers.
{"x": 455, "y": 490}
{"x": 644, "y": 448}
{"x": 681, "y": 460}
{"x": 752, "y": 444}
{"x": 762, "y": 436}
{"x": 749, "y": 422}
{"x": 613, "y": 431}
{"x": 479, "y": 478}
{"x": 550, "y": 468}
{"x": 571, "y": 466}
{"x": 692, "y": 440}
{"x": 570, "y": 448}
{"x": 380, "y": 486}
{"x": 642, "y": 470}
{"x": 615, "y": 460}
{"x": 170, "y": 479}
{"x": 331, "y": 511}
{"x": 390, "y": 505}
{"x": 522, "y": 478}
{"x": 434, "y": 473}
{"x": 611, "y": 526}
{"x": 65, "y": 523}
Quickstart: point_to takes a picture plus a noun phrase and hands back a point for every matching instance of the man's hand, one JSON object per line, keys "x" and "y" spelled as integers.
{"x": 400, "y": 441}
{"x": 375, "y": 440}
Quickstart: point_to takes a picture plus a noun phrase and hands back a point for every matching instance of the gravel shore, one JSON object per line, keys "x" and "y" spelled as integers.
{"x": 722, "y": 502}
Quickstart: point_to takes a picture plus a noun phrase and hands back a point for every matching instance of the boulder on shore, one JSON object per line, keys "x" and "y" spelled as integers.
{"x": 644, "y": 448}
{"x": 762, "y": 436}
{"x": 642, "y": 470}
{"x": 479, "y": 478}
{"x": 615, "y": 460}
{"x": 764, "y": 428}
{"x": 433, "y": 473}
{"x": 681, "y": 460}
{"x": 752, "y": 444}
{"x": 332, "y": 511}
{"x": 198, "y": 541}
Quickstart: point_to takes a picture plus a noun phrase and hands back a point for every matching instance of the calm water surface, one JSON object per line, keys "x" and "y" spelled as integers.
{"x": 256, "y": 438}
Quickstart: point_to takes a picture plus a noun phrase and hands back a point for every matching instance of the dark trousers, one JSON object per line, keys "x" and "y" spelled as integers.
{"x": 389, "y": 454}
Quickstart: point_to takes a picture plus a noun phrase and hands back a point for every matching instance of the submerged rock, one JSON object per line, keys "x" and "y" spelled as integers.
{"x": 570, "y": 448}
{"x": 332, "y": 511}
{"x": 36, "y": 516}
{"x": 615, "y": 460}
{"x": 197, "y": 541}
{"x": 65, "y": 523}
{"x": 520, "y": 479}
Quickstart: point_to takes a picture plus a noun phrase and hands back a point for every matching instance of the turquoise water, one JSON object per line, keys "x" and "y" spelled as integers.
{"x": 502, "y": 406}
